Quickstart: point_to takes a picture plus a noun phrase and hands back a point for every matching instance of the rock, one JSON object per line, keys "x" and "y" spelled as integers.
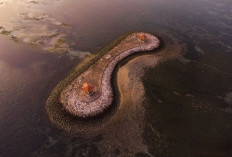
{"x": 189, "y": 95}
{"x": 184, "y": 60}
{"x": 199, "y": 50}
{"x": 220, "y": 97}
{"x": 108, "y": 56}
{"x": 228, "y": 98}
{"x": 160, "y": 101}
{"x": 176, "y": 93}
{"x": 228, "y": 110}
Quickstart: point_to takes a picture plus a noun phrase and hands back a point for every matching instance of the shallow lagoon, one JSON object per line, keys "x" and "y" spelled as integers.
{"x": 30, "y": 70}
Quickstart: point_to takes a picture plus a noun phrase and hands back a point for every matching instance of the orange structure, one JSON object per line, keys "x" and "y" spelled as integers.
{"x": 142, "y": 37}
{"x": 87, "y": 88}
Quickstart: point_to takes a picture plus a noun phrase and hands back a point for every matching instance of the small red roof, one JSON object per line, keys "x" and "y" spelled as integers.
{"x": 87, "y": 88}
{"x": 142, "y": 37}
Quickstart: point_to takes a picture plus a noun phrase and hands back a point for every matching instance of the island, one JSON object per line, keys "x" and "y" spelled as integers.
{"x": 90, "y": 93}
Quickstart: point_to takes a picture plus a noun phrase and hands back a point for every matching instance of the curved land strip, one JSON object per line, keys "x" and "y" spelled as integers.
{"x": 99, "y": 74}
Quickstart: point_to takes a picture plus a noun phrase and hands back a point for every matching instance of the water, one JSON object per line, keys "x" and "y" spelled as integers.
{"x": 29, "y": 71}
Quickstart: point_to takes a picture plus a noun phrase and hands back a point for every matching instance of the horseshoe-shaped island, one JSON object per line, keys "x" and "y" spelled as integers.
{"x": 91, "y": 93}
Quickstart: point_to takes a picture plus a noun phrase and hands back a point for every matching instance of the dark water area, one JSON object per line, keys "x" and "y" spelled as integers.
{"x": 27, "y": 77}
{"x": 28, "y": 74}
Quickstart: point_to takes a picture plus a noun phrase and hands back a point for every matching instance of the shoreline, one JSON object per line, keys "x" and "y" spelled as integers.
{"x": 91, "y": 108}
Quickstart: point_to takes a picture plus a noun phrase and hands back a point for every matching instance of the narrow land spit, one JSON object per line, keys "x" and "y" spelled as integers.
{"x": 99, "y": 75}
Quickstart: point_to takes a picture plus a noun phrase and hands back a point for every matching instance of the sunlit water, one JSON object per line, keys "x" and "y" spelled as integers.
{"x": 30, "y": 30}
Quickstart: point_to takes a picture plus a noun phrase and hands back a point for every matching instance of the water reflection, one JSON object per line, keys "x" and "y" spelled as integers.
{"x": 26, "y": 78}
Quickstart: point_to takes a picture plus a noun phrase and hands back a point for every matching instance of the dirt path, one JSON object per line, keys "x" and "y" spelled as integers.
{"x": 84, "y": 106}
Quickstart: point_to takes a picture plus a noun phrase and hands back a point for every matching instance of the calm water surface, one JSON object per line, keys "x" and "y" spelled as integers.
{"x": 29, "y": 73}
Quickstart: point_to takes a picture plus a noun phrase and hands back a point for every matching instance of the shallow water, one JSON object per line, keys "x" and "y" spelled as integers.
{"x": 28, "y": 71}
